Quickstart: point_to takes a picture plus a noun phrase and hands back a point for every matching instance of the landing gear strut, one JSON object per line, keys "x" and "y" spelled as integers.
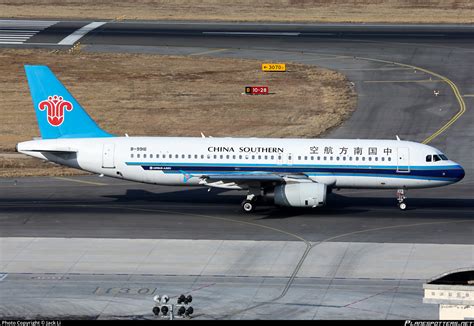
{"x": 401, "y": 199}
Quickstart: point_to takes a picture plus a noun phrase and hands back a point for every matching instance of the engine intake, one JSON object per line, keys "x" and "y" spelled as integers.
{"x": 303, "y": 194}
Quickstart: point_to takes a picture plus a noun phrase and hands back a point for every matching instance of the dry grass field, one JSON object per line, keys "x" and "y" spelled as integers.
{"x": 143, "y": 94}
{"x": 364, "y": 11}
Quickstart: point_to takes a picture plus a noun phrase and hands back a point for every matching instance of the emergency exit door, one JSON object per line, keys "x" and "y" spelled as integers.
{"x": 108, "y": 156}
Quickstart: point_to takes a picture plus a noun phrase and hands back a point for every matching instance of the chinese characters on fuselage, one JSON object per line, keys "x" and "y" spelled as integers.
{"x": 349, "y": 151}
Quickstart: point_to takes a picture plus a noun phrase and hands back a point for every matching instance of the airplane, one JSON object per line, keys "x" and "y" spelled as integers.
{"x": 292, "y": 172}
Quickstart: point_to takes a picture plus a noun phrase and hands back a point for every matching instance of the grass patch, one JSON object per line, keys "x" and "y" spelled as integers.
{"x": 360, "y": 11}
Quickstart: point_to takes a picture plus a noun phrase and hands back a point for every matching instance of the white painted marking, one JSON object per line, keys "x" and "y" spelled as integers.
{"x": 76, "y": 35}
{"x": 15, "y": 36}
{"x": 28, "y": 22}
{"x": 1, "y": 42}
{"x": 3, "y": 276}
{"x": 318, "y": 34}
{"x": 253, "y": 33}
{"x": 20, "y": 31}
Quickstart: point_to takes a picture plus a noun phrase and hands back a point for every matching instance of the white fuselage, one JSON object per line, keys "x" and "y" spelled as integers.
{"x": 338, "y": 163}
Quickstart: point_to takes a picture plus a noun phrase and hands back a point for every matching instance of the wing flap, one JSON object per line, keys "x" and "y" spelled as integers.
{"x": 239, "y": 178}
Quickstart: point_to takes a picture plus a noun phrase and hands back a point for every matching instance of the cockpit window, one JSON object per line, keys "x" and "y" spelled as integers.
{"x": 428, "y": 158}
{"x": 443, "y": 157}
{"x": 436, "y": 158}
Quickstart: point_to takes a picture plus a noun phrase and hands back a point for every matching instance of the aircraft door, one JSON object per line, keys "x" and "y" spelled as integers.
{"x": 108, "y": 154}
{"x": 403, "y": 160}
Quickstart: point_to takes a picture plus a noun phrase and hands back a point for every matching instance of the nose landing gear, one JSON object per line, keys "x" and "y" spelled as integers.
{"x": 401, "y": 199}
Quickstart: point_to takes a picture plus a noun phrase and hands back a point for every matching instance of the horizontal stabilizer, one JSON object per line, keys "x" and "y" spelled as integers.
{"x": 45, "y": 148}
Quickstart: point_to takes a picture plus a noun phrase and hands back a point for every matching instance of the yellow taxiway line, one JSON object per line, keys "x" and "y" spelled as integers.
{"x": 462, "y": 105}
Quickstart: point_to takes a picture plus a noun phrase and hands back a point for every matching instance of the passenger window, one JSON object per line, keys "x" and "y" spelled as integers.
{"x": 195, "y": 156}
{"x": 299, "y": 158}
{"x": 202, "y": 156}
{"x": 215, "y": 156}
{"x": 240, "y": 157}
{"x": 337, "y": 158}
{"x": 272, "y": 157}
{"x": 357, "y": 158}
{"x": 260, "y": 157}
{"x": 350, "y": 158}
{"x": 312, "y": 158}
{"x": 222, "y": 156}
{"x": 289, "y": 158}
{"x": 306, "y": 158}
{"x": 208, "y": 156}
{"x": 319, "y": 158}
{"x": 253, "y": 157}
{"x": 330, "y": 158}
{"x": 227, "y": 156}
{"x": 370, "y": 158}
{"x": 266, "y": 157}
{"x": 144, "y": 155}
{"x": 389, "y": 159}
{"x": 376, "y": 158}
{"x": 131, "y": 155}
{"x": 363, "y": 158}
{"x": 233, "y": 157}
{"x": 157, "y": 155}
{"x": 343, "y": 158}
{"x": 138, "y": 155}
{"x": 383, "y": 158}
{"x": 189, "y": 156}
{"x": 324, "y": 158}
{"x": 176, "y": 156}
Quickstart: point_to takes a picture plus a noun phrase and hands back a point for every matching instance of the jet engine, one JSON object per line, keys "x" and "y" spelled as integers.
{"x": 301, "y": 194}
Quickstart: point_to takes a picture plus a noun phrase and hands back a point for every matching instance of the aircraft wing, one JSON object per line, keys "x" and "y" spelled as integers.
{"x": 264, "y": 177}
{"x": 248, "y": 179}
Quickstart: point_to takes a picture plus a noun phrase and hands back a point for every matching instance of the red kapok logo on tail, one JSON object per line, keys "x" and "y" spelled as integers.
{"x": 55, "y": 106}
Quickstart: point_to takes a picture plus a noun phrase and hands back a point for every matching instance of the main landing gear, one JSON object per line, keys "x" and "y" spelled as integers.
{"x": 401, "y": 199}
{"x": 249, "y": 204}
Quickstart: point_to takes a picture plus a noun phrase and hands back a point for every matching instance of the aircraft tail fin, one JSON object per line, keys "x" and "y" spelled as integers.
{"x": 58, "y": 113}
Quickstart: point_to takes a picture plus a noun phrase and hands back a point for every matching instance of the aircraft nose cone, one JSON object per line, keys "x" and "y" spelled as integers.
{"x": 462, "y": 173}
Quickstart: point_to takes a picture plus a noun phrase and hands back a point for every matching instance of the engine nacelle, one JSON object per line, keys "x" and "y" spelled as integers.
{"x": 303, "y": 194}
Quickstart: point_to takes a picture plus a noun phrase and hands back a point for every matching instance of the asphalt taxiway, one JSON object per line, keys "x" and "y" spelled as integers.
{"x": 100, "y": 248}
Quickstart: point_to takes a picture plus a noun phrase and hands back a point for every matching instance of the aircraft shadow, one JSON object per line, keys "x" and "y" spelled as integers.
{"x": 336, "y": 204}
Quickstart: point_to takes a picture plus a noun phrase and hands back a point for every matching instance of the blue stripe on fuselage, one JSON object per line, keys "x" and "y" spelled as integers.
{"x": 446, "y": 172}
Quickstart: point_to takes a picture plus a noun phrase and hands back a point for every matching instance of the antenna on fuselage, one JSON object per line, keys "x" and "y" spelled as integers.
{"x": 202, "y": 135}
{"x": 398, "y": 138}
